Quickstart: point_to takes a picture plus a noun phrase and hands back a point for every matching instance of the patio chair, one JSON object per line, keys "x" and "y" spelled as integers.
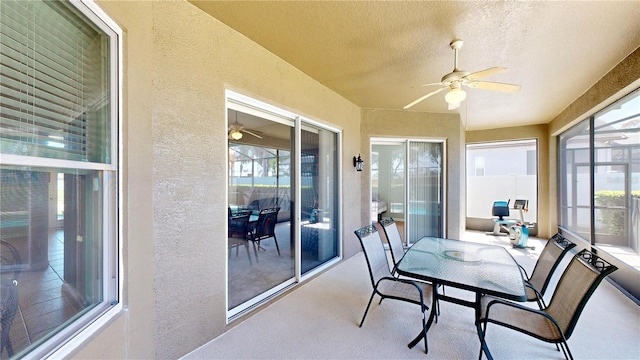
{"x": 394, "y": 239}
{"x": 554, "y": 251}
{"x": 556, "y": 322}
{"x": 10, "y": 265}
{"x": 238, "y": 223}
{"x": 388, "y": 286}
{"x": 264, "y": 228}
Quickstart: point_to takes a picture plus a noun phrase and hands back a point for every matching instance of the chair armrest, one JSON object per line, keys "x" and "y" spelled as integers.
{"x": 406, "y": 281}
{"x": 539, "y": 298}
{"x": 530, "y": 285}
{"x": 524, "y": 272}
{"x": 402, "y": 280}
{"x": 520, "y": 307}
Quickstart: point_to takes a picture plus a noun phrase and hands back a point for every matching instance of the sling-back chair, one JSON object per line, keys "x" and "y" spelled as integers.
{"x": 388, "y": 286}
{"x": 556, "y": 322}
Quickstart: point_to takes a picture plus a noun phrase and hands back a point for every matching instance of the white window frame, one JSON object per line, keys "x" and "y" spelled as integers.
{"x": 532, "y": 215}
{"x": 64, "y": 342}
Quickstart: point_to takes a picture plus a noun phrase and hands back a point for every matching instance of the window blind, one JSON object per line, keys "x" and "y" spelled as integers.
{"x": 53, "y": 83}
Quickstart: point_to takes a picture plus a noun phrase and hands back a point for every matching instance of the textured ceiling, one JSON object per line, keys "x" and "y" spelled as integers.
{"x": 376, "y": 54}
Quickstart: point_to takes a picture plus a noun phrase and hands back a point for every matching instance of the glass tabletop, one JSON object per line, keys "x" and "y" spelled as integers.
{"x": 483, "y": 268}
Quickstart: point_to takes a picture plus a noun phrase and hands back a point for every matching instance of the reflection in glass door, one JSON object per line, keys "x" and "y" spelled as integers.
{"x": 388, "y": 181}
{"x": 425, "y": 194}
{"x": 283, "y": 164}
{"x": 260, "y": 246}
{"x": 319, "y": 197}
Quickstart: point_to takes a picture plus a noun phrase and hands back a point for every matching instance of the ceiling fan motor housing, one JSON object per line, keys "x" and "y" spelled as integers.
{"x": 455, "y": 76}
{"x": 456, "y": 44}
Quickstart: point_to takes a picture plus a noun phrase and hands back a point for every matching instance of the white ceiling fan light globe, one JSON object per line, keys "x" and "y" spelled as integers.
{"x": 453, "y": 106}
{"x": 455, "y": 96}
{"x": 235, "y": 135}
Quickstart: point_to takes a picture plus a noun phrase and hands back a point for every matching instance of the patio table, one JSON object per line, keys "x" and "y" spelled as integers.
{"x": 480, "y": 268}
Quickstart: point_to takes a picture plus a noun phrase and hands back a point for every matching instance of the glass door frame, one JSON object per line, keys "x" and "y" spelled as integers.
{"x": 406, "y": 142}
{"x": 442, "y": 192}
{"x": 237, "y": 101}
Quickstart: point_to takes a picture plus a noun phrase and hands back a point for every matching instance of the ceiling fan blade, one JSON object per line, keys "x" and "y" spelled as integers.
{"x": 424, "y": 97}
{"x": 251, "y": 133}
{"x": 484, "y": 73}
{"x": 431, "y": 84}
{"x": 488, "y": 85}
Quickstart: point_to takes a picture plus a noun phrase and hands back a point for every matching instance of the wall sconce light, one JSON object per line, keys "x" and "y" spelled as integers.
{"x": 358, "y": 163}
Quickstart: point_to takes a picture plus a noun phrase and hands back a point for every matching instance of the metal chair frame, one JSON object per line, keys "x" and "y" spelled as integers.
{"x": 556, "y": 322}
{"x": 396, "y": 246}
{"x": 264, "y": 228}
{"x": 385, "y": 284}
{"x": 392, "y": 233}
{"x": 554, "y": 251}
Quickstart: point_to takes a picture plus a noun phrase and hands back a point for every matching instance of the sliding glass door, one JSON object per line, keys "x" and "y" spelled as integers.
{"x": 319, "y": 197}
{"x": 407, "y": 184}
{"x": 425, "y": 181}
{"x": 260, "y": 176}
{"x": 283, "y": 219}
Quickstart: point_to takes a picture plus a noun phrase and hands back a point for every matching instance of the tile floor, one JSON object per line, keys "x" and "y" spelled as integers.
{"x": 42, "y": 304}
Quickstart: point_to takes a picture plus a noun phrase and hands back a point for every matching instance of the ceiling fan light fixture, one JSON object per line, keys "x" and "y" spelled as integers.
{"x": 455, "y": 96}
{"x": 455, "y": 80}
{"x": 235, "y": 135}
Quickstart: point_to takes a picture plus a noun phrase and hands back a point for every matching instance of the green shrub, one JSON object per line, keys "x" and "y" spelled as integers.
{"x": 612, "y": 218}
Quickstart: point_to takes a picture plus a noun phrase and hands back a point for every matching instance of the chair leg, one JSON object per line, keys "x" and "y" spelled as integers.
{"x": 9, "y": 348}
{"x": 482, "y": 332}
{"x": 6, "y": 344}
{"x": 255, "y": 250}
{"x": 277, "y": 247}
{"x": 567, "y": 353}
{"x": 367, "y": 309}
{"x": 246, "y": 247}
{"x": 424, "y": 329}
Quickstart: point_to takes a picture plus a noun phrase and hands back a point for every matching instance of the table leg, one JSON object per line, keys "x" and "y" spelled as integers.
{"x": 477, "y": 306}
{"x": 483, "y": 345}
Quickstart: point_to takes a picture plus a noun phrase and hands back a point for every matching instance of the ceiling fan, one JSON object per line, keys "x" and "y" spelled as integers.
{"x": 455, "y": 80}
{"x": 236, "y": 130}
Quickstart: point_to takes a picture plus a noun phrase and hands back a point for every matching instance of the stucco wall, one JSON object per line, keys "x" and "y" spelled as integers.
{"x": 419, "y": 125}
{"x": 618, "y": 82}
{"x": 178, "y": 62}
